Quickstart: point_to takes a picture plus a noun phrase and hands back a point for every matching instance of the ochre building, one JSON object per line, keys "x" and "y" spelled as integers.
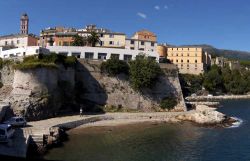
{"x": 189, "y": 60}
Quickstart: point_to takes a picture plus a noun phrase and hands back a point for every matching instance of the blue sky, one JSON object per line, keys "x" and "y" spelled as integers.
{"x": 221, "y": 23}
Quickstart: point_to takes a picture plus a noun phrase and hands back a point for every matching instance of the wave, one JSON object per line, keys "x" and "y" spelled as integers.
{"x": 236, "y": 124}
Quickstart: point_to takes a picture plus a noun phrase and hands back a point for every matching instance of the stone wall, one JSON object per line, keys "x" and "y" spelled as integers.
{"x": 116, "y": 91}
{"x": 7, "y": 75}
{"x": 36, "y": 93}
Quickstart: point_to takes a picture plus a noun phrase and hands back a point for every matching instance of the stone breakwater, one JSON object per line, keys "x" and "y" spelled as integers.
{"x": 217, "y": 98}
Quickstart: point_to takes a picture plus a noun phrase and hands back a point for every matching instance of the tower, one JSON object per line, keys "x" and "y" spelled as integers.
{"x": 24, "y": 24}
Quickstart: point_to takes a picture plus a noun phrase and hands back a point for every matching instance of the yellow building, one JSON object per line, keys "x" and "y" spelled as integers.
{"x": 112, "y": 40}
{"x": 189, "y": 60}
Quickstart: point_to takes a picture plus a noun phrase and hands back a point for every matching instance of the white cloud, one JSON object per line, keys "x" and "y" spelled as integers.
{"x": 166, "y": 7}
{"x": 157, "y": 7}
{"x": 142, "y": 15}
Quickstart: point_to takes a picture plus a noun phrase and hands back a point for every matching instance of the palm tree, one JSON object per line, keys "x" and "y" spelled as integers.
{"x": 93, "y": 39}
{"x": 79, "y": 41}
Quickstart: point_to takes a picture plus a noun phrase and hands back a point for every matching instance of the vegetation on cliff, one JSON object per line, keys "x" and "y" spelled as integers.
{"x": 114, "y": 67}
{"x": 218, "y": 81}
{"x": 168, "y": 103}
{"x": 47, "y": 61}
{"x": 143, "y": 71}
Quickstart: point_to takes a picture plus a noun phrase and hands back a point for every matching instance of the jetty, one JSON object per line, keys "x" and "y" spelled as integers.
{"x": 216, "y": 98}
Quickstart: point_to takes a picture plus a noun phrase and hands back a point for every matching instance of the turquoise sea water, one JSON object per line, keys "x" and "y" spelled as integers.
{"x": 161, "y": 142}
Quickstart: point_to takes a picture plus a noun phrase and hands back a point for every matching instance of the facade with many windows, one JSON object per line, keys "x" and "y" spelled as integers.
{"x": 189, "y": 60}
{"x": 143, "y": 40}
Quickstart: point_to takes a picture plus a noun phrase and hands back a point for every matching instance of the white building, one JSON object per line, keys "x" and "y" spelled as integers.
{"x": 22, "y": 51}
{"x": 96, "y": 53}
{"x": 134, "y": 44}
{"x": 143, "y": 40}
{"x": 101, "y": 53}
{"x": 18, "y": 40}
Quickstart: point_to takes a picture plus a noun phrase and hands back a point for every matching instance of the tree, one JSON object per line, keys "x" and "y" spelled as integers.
{"x": 79, "y": 41}
{"x": 213, "y": 80}
{"x": 114, "y": 67}
{"x": 143, "y": 72}
{"x": 93, "y": 39}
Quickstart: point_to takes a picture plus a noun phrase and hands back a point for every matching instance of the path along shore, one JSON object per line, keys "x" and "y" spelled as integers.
{"x": 202, "y": 115}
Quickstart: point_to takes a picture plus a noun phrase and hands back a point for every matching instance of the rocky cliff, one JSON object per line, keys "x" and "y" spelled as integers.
{"x": 41, "y": 93}
{"x": 116, "y": 91}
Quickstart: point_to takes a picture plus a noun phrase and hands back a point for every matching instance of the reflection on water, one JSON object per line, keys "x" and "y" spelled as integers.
{"x": 160, "y": 142}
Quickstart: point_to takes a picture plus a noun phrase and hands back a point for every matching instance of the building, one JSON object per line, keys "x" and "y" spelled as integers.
{"x": 108, "y": 38}
{"x": 143, "y": 40}
{"x": 57, "y": 36}
{"x": 224, "y": 62}
{"x": 60, "y": 36}
{"x": 24, "y": 24}
{"x": 22, "y": 51}
{"x": 23, "y": 39}
{"x": 18, "y": 40}
{"x": 95, "y": 53}
{"x": 162, "y": 50}
{"x": 189, "y": 60}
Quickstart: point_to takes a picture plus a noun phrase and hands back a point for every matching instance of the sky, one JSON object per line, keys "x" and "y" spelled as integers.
{"x": 224, "y": 24}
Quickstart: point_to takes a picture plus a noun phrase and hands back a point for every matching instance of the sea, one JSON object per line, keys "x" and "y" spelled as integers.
{"x": 161, "y": 141}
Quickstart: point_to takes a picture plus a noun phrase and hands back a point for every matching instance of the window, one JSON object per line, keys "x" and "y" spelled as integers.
{"x": 63, "y": 53}
{"x": 115, "y": 56}
{"x": 24, "y": 53}
{"x": 142, "y": 42}
{"x": 102, "y": 56}
{"x": 177, "y": 61}
{"x": 195, "y": 61}
{"x": 187, "y": 54}
{"x": 111, "y": 36}
{"x": 17, "y": 42}
{"x": 132, "y": 48}
{"x": 132, "y": 42}
{"x": 111, "y": 42}
{"x": 152, "y": 44}
{"x": 101, "y": 35}
{"x": 176, "y": 54}
{"x": 76, "y": 54}
{"x": 101, "y": 43}
{"x": 127, "y": 57}
{"x": 187, "y": 61}
{"x": 89, "y": 55}
{"x": 152, "y": 58}
{"x": 142, "y": 49}
{"x": 6, "y": 43}
{"x": 181, "y": 60}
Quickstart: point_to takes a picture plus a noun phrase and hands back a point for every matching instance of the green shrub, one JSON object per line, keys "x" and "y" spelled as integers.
{"x": 47, "y": 61}
{"x": 168, "y": 103}
{"x": 143, "y": 72}
{"x": 114, "y": 67}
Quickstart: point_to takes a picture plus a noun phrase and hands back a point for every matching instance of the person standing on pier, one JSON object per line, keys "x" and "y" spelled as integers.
{"x": 81, "y": 112}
